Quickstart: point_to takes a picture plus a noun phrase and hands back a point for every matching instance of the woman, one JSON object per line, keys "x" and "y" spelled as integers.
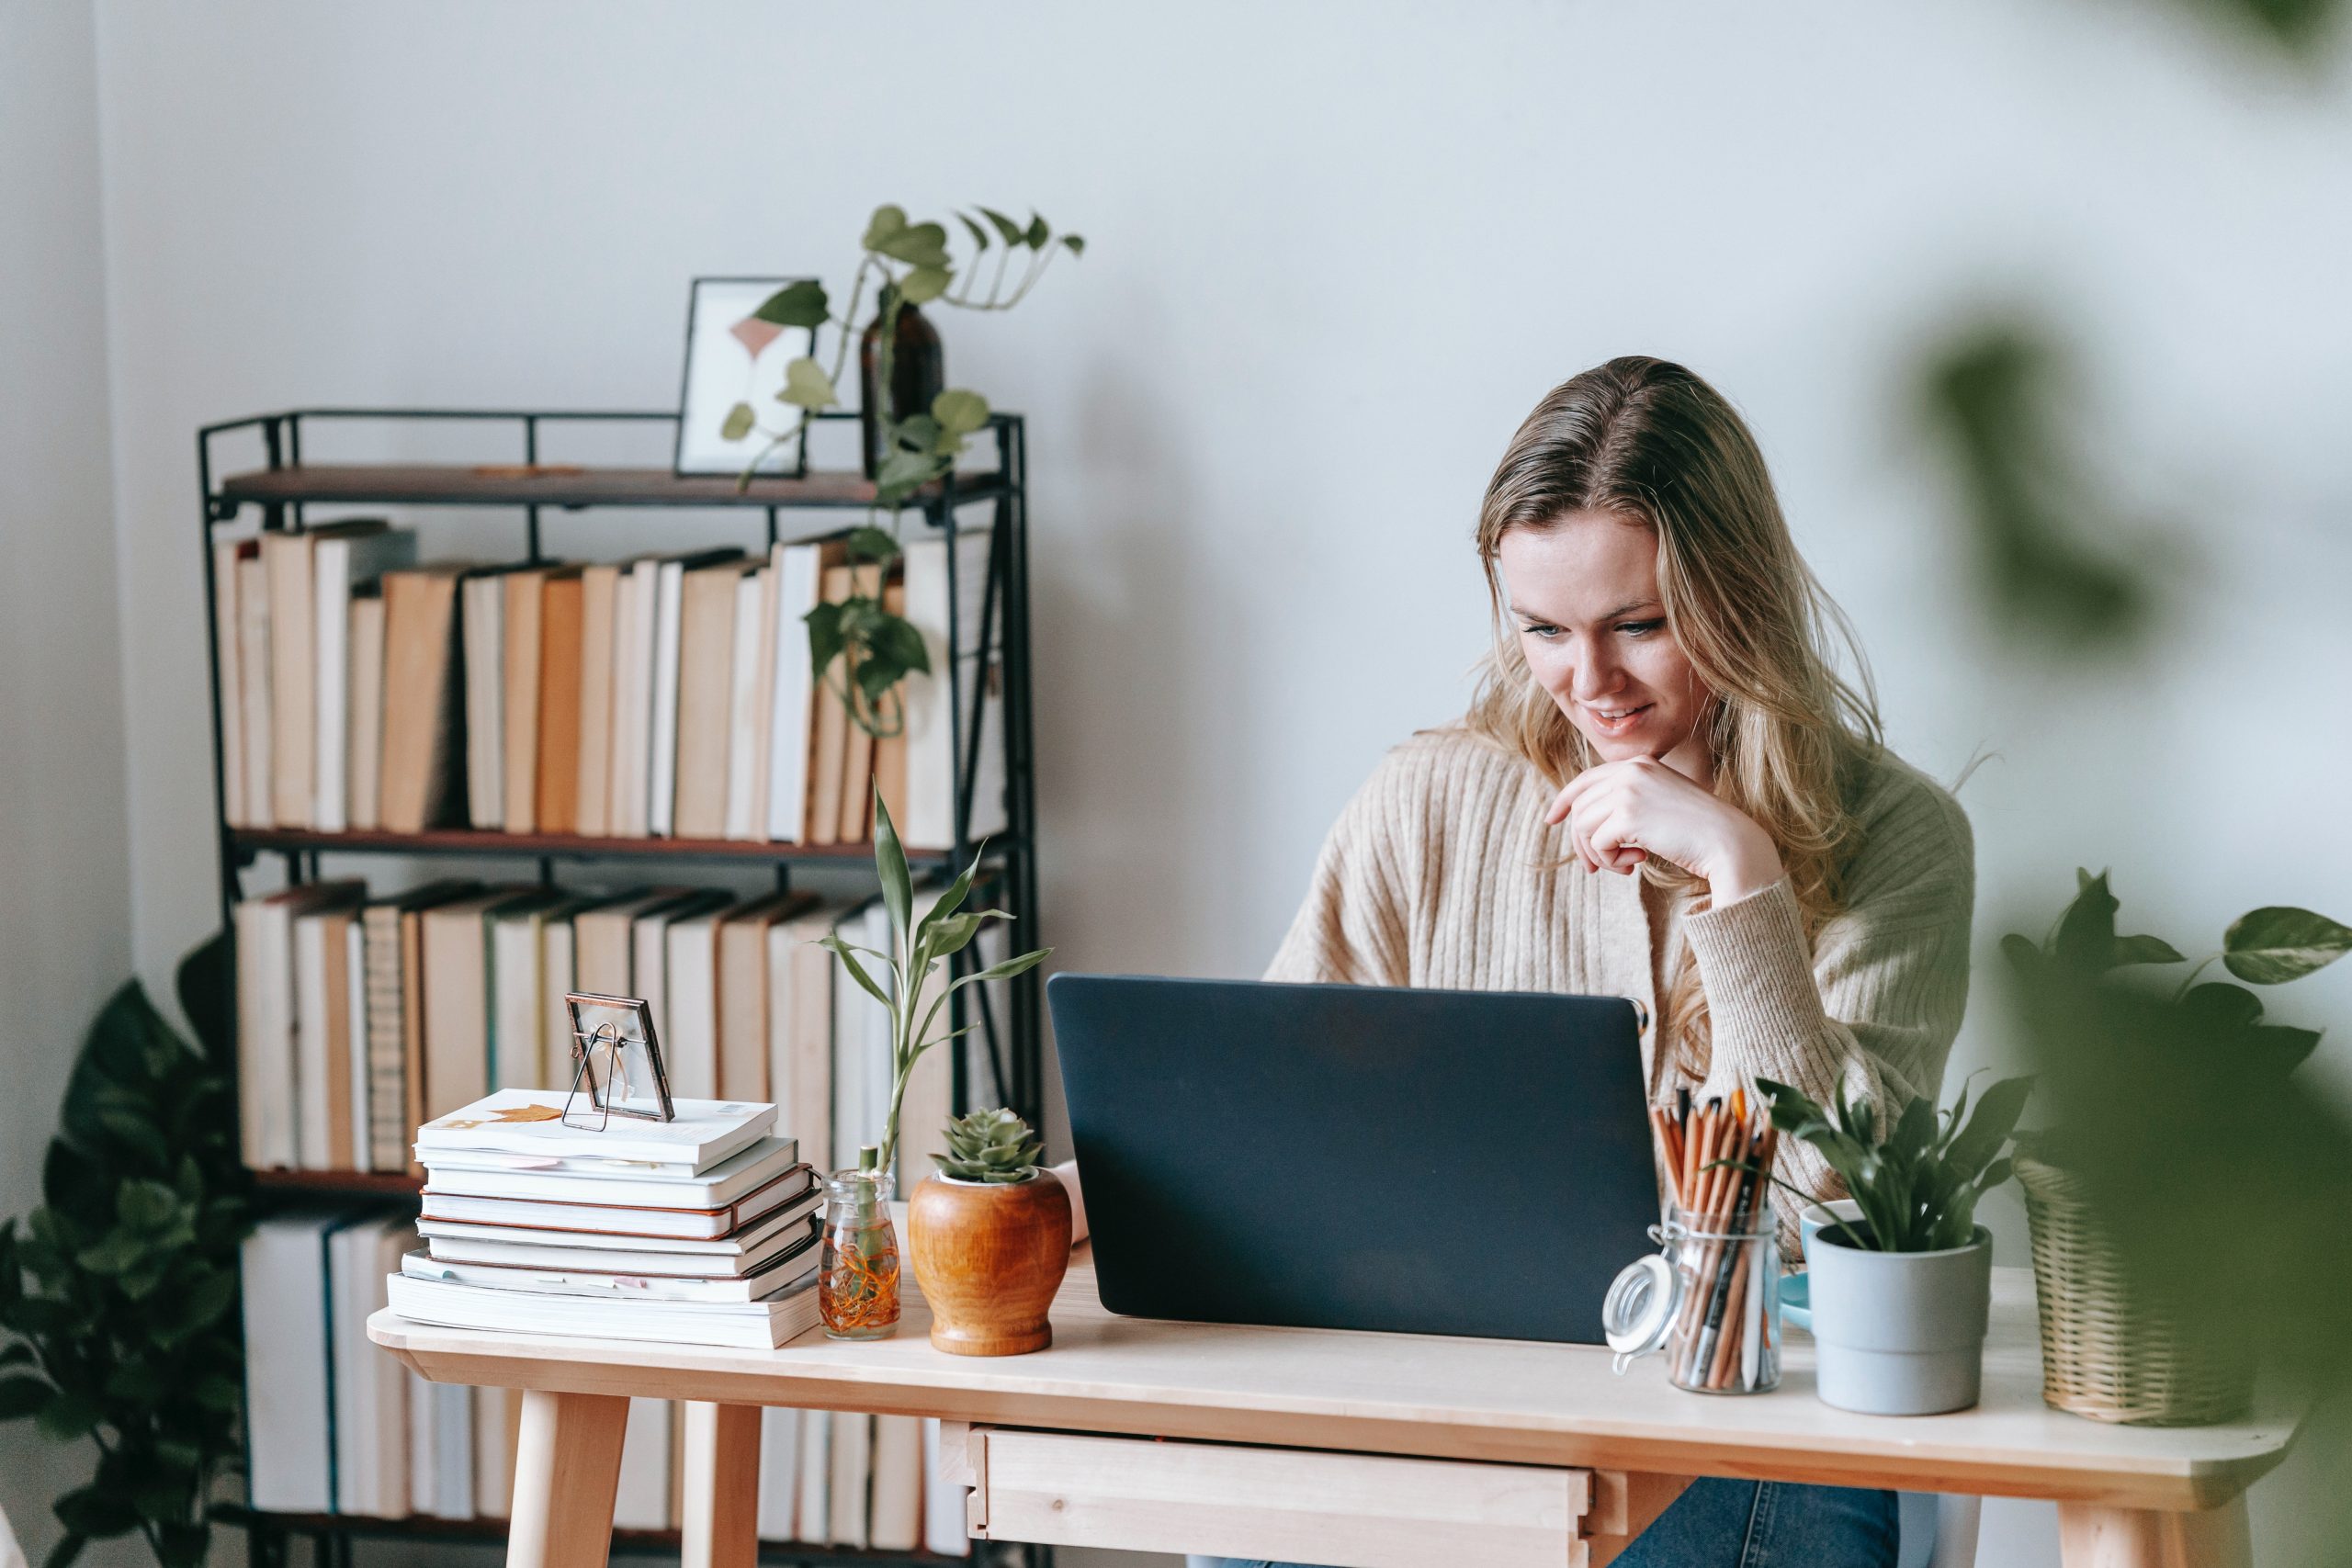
{"x": 1664, "y": 790}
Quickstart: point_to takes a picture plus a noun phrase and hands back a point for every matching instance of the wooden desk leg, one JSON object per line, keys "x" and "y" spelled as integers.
{"x": 2090, "y": 1536}
{"x": 722, "y": 1485}
{"x": 566, "y": 1468}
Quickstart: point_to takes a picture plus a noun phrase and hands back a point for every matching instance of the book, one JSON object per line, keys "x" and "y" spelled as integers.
{"x": 650, "y": 956}
{"x": 731, "y": 1178}
{"x": 458, "y": 995}
{"x": 779, "y": 1473}
{"x": 599, "y": 588}
{"x": 751, "y": 709}
{"x": 946, "y": 1529}
{"x": 289, "y": 1422}
{"x": 815, "y": 1493}
{"x": 706, "y": 696}
{"x": 424, "y": 775}
{"x": 558, "y": 973}
{"x": 793, "y": 1190}
{"x": 363, "y": 771}
{"x": 932, "y": 730}
{"x": 642, "y": 1499}
{"x": 519, "y": 706}
{"x": 392, "y": 941}
{"x": 518, "y": 1122}
{"x": 852, "y": 1472}
{"x": 343, "y": 556}
{"x": 896, "y": 1510}
{"x": 743, "y": 993}
{"x": 323, "y": 1032}
{"x": 890, "y": 750}
{"x": 498, "y": 1430}
{"x": 370, "y": 1388}
{"x": 519, "y": 998}
{"x": 355, "y": 1153}
{"x": 267, "y": 1049}
{"x": 253, "y": 685}
{"x": 861, "y": 1039}
{"x": 669, "y": 654}
{"x": 800, "y": 571}
{"x": 633, "y": 641}
{"x": 562, "y": 672}
{"x": 228, "y": 681}
{"x": 857, "y": 742}
{"x": 285, "y": 559}
{"x": 800, "y": 1028}
{"x": 482, "y": 611}
{"x": 790, "y": 1270}
{"x": 761, "y": 1326}
{"x": 603, "y": 952}
{"x": 689, "y": 1020}
{"x": 729, "y": 1256}
{"x": 441, "y": 1450}
{"x": 829, "y": 731}
{"x": 423, "y": 1464}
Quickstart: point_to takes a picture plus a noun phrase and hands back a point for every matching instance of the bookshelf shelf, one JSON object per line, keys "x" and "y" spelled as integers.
{"x": 271, "y": 482}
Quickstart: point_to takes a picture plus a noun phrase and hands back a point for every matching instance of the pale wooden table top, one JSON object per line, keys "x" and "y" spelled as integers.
{"x": 1486, "y": 1399}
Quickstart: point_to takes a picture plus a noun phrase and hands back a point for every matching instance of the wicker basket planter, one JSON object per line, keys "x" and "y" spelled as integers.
{"x": 2104, "y": 1355}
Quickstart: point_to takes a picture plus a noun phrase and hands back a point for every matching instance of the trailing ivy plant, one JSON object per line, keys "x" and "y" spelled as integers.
{"x": 906, "y": 263}
{"x": 117, "y": 1294}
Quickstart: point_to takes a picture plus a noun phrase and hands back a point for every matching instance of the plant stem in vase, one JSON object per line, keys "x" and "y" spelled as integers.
{"x": 857, "y": 1278}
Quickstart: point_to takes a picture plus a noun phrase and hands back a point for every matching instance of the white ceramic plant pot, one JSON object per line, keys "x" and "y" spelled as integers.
{"x": 1900, "y": 1333}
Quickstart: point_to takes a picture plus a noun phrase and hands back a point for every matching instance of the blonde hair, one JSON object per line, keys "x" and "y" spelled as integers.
{"x": 1649, "y": 442}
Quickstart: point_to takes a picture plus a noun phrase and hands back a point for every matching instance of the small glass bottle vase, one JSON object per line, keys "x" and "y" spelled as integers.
{"x": 857, "y": 1278}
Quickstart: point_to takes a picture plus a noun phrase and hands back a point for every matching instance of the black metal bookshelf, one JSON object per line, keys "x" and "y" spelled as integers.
{"x": 283, "y": 489}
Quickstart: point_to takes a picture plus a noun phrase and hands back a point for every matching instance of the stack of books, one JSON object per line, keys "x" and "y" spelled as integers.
{"x": 702, "y": 1230}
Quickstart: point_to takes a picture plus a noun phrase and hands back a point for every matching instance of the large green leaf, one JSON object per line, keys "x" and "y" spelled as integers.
{"x": 23, "y": 1396}
{"x": 887, "y": 220}
{"x": 2086, "y": 935}
{"x": 959, "y": 412}
{"x": 825, "y": 638}
{"x": 1972, "y": 1151}
{"x": 1012, "y": 233}
{"x": 796, "y": 304}
{"x": 979, "y": 235}
{"x": 807, "y": 385}
{"x": 923, "y": 284}
{"x": 920, "y": 245}
{"x": 890, "y": 865}
{"x": 2270, "y": 946}
{"x": 842, "y": 951}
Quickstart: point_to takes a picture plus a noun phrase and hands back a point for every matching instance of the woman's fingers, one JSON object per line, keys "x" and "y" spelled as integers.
{"x": 1575, "y": 790}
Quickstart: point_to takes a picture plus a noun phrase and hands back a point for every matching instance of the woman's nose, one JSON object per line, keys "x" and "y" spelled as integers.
{"x": 1595, "y": 675}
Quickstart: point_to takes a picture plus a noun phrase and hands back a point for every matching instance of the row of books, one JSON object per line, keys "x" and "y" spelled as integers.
{"x": 334, "y": 1426}
{"x": 665, "y": 695}
{"x": 360, "y": 1017}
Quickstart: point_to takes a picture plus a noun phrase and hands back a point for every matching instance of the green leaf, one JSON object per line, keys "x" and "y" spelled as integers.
{"x": 2146, "y": 950}
{"x": 893, "y": 639}
{"x": 920, "y": 245}
{"x": 907, "y": 471}
{"x": 23, "y": 1396}
{"x": 738, "y": 422}
{"x": 925, "y": 283}
{"x": 877, "y": 546}
{"x": 979, "y": 235}
{"x": 825, "y": 638}
{"x": 1012, "y": 233}
{"x": 2272, "y": 945}
{"x": 1996, "y": 1117}
{"x": 146, "y": 1205}
{"x": 959, "y": 412}
{"x": 2283, "y": 1049}
{"x": 807, "y": 385}
{"x": 1075, "y": 243}
{"x": 68, "y": 1548}
{"x": 2086, "y": 937}
{"x": 797, "y": 304}
{"x": 841, "y": 951}
{"x": 1008, "y": 968}
{"x": 890, "y": 865}
{"x": 917, "y": 432}
{"x": 67, "y": 1417}
{"x": 887, "y": 220}
{"x": 1037, "y": 233}
{"x": 218, "y": 1392}
{"x": 954, "y": 934}
{"x": 2217, "y": 1008}
{"x": 100, "y": 1514}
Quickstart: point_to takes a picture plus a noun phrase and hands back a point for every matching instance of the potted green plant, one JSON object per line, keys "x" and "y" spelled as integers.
{"x": 2118, "y": 1342}
{"x": 857, "y": 1282}
{"x": 990, "y": 1237}
{"x": 1900, "y": 1297}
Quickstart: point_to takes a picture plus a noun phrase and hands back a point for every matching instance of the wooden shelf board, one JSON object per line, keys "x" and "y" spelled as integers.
{"x": 350, "y": 1183}
{"x": 460, "y": 484}
{"x": 469, "y": 841}
{"x": 495, "y": 1530}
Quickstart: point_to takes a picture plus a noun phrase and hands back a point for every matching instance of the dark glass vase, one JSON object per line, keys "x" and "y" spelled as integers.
{"x": 918, "y": 374}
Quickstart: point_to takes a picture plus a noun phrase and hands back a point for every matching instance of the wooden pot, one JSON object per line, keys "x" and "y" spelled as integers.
{"x": 989, "y": 1255}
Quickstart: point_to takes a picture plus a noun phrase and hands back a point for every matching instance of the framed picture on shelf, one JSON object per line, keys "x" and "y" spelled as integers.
{"x": 615, "y": 1063}
{"x": 729, "y": 417}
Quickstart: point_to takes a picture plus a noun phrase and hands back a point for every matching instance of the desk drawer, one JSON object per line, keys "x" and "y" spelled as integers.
{"x": 1288, "y": 1505}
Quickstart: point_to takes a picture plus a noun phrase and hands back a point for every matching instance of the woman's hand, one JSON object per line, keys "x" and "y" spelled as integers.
{"x": 1619, "y": 812}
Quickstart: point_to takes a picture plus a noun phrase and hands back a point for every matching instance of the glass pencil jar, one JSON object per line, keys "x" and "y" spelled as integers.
{"x": 857, "y": 1275}
{"x": 1710, "y": 1300}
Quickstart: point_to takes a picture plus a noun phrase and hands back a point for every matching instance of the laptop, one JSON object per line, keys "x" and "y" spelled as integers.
{"x": 1354, "y": 1156}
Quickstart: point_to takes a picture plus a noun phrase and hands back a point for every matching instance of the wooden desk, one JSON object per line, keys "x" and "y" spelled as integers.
{"x": 1612, "y": 1450}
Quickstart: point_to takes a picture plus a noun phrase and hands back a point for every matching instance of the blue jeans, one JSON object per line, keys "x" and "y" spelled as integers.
{"x": 1748, "y": 1523}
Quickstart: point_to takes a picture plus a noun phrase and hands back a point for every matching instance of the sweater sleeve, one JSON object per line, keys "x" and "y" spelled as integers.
{"x": 1873, "y": 1003}
{"x": 1351, "y": 931}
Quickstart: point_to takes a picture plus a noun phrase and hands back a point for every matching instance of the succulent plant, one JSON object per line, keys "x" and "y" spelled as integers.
{"x": 990, "y": 1145}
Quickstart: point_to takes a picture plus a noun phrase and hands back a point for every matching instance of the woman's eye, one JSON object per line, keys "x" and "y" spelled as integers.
{"x": 1639, "y": 628}
{"x": 1543, "y": 630}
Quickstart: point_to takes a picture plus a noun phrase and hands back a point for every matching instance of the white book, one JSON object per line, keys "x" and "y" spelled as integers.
{"x": 666, "y": 1256}
{"x": 513, "y": 1121}
{"x": 779, "y": 1471}
{"x": 312, "y": 1042}
{"x": 632, "y": 693}
{"x": 343, "y": 558}
{"x": 794, "y": 1191}
{"x": 745, "y": 744}
{"x": 252, "y": 688}
{"x": 799, "y": 586}
{"x": 723, "y": 1183}
{"x": 852, "y": 1472}
{"x": 364, "y": 777}
{"x": 661, "y": 788}
{"x": 691, "y": 1033}
{"x": 453, "y": 1450}
{"x": 496, "y": 1417}
{"x": 354, "y": 1155}
{"x": 788, "y": 1273}
{"x": 814, "y": 1524}
{"x": 482, "y": 608}
{"x": 931, "y": 728}
{"x": 423, "y": 1458}
{"x": 754, "y": 743}
{"x": 642, "y": 1501}
{"x": 945, "y": 1528}
{"x": 650, "y": 958}
{"x": 231, "y": 707}
{"x": 801, "y": 1031}
{"x": 267, "y": 1047}
{"x": 288, "y": 1425}
{"x": 759, "y": 1325}
{"x": 370, "y": 1387}
{"x": 896, "y": 1524}
{"x": 518, "y": 998}
{"x": 559, "y": 958}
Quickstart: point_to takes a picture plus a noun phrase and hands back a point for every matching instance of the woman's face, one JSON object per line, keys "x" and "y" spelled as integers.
{"x": 1583, "y": 597}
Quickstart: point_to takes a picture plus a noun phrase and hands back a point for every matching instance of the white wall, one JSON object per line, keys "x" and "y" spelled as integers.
{"x": 64, "y": 875}
{"x": 1337, "y": 252}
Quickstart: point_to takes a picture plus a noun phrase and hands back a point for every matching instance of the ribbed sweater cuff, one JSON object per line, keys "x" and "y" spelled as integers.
{"x": 1757, "y": 969}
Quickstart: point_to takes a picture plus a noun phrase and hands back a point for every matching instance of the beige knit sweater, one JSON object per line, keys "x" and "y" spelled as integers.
{"x": 1441, "y": 872}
